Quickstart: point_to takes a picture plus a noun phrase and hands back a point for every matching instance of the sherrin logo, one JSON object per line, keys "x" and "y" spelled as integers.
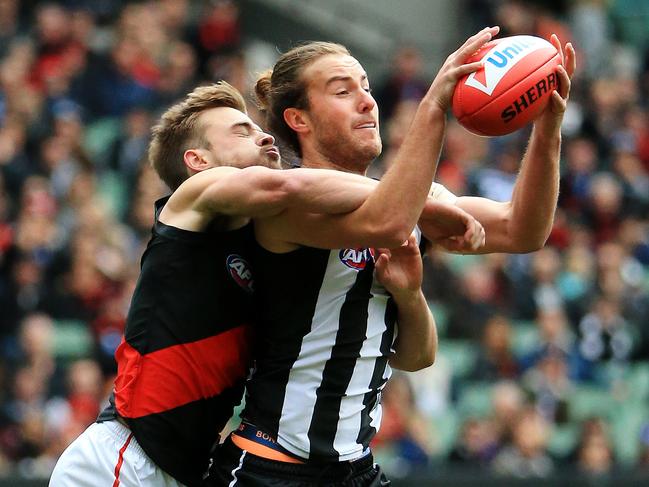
{"x": 356, "y": 259}
{"x": 240, "y": 271}
{"x": 501, "y": 59}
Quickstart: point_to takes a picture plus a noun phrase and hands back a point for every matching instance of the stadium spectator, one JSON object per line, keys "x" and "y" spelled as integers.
{"x": 595, "y": 455}
{"x": 508, "y": 401}
{"x": 525, "y": 456}
{"x": 556, "y": 336}
{"x": 405, "y": 83}
{"x": 495, "y": 359}
{"x": 477, "y": 445}
{"x": 605, "y": 337}
{"x": 549, "y": 383}
{"x": 473, "y": 305}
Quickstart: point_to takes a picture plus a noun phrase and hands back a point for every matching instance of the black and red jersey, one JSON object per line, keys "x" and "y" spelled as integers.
{"x": 186, "y": 349}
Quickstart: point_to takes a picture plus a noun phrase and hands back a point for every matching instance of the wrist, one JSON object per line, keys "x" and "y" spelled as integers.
{"x": 408, "y": 297}
{"x": 433, "y": 108}
{"x": 547, "y": 133}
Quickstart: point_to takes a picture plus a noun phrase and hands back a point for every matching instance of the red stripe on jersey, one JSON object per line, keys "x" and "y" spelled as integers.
{"x": 177, "y": 375}
{"x": 120, "y": 460}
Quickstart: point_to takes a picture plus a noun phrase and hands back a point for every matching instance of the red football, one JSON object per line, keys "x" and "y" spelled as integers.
{"x": 513, "y": 87}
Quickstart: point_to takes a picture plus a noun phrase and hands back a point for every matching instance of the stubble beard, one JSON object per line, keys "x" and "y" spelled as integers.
{"x": 347, "y": 154}
{"x": 271, "y": 163}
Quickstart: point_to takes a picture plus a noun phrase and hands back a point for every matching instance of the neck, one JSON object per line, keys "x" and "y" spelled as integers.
{"x": 319, "y": 161}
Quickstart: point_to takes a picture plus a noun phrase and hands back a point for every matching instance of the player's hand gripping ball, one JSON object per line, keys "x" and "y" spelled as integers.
{"x": 512, "y": 88}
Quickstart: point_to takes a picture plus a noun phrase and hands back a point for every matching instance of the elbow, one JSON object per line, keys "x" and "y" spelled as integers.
{"x": 426, "y": 360}
{"x": 391, "y": 235}
{"x": 290, "y": 185}
{"x": 280, "y": 189}
{"x": 525, "y": 238}
{"x": 423, "y": 361}
{"x": 273, "y": 181}
{"x": 286, "y": 188}
{"x": 529, "y": 243}
{"x": 423, "y": 364}
{"x": 534, "y": 245}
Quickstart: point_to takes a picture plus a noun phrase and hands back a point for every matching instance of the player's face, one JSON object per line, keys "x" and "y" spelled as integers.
{"x": 343, "y": 115}
{"x": 235, "y": 140}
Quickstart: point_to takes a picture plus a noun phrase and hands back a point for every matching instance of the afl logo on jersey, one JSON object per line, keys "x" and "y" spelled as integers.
{"x": 356, "y": 259}
{"x": 240, "y": 271}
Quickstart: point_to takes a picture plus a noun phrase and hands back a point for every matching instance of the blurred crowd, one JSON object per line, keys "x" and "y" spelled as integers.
{"x": 544, "y": 358}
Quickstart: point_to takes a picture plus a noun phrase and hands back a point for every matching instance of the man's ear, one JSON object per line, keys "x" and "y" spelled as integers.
{"x": 195, "y": 160}
{"x": 297, "y": 120}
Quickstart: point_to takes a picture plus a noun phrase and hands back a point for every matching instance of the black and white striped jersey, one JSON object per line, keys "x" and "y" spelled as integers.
{"x": 325, "y": 331}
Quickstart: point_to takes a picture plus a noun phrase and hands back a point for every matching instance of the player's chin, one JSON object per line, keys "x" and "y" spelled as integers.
{"x": 272, "y": 161}
{"x": 373, "y": 149}
{"x": 367, "y": 138}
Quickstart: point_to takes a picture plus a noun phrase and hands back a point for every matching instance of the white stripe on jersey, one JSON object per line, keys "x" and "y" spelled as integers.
{"x": 306, "y": 374}
{"x": 352, "y": 403}
{"x": 377, "y": 413}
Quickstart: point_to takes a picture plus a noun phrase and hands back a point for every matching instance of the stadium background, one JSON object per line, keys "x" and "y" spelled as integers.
{"x": 543, "y": 369}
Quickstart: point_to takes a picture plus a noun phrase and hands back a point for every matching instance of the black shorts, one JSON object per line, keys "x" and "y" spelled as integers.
{"x": 247, "y": 470}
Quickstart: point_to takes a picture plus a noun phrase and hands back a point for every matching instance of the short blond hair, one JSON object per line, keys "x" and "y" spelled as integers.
{"x": 178, "y": 131}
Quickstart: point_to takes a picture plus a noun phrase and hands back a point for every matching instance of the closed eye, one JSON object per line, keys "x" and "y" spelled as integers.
{"x": 242, "y": 129}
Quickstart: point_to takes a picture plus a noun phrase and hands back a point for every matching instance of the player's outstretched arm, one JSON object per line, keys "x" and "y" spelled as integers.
{"x": 388, "y": 216}
{"x": 261, "y": 192}
{"x": 400, "y": 271}
{"x": 524, "y": 223}
{"x": 403, "y": 190}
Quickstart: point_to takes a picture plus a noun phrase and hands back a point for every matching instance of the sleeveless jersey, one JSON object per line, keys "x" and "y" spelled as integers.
{"x": 324, "y": 334}
{"x": 185, "y": 353}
